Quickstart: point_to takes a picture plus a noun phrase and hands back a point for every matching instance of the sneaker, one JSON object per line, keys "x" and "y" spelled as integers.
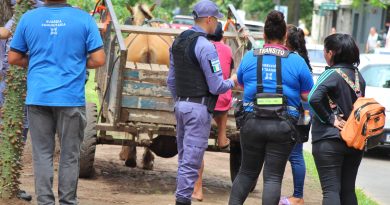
{"x": 23, "y": 195}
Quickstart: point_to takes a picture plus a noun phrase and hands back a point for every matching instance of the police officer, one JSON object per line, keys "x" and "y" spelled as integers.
{"x": 195, "y": 80}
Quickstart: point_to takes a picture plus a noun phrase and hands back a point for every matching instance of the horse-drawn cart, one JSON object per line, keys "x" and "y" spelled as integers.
{"x": 134, "y": 99}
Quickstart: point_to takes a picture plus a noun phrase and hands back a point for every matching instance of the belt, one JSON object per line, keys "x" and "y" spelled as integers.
{"x": 199, "y": 100}
{"x": 289, "y": 108}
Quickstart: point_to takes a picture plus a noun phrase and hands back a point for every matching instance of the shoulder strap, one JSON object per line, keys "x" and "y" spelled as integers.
{"x": 354, "y": 85}
{"x": 279, "y": 86}
{"x": 260, "y": 86}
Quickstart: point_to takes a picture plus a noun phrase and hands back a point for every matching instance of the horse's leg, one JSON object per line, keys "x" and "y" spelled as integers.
{"x": 148, "y": 159}
{"x": 129, "y": 155}
{"x": 124, "y": 152}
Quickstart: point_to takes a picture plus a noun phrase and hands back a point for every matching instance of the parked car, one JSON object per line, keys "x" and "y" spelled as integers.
{"x": 383, "y": 51}
{"x": 317, "y": 60}
{"x": 182, "y": 22}
{"x": 254, "y": 26}
{"x": 376, "y": 72}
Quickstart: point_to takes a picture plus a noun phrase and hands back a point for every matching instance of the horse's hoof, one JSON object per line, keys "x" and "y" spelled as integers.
{"x": 148, "y": 160}
{"x": 131, "y": 163}
{"x": 148, "y": 166}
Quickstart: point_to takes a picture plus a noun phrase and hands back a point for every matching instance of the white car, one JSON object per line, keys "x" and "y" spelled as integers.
{"x": 383, "y": 51}
{"x": 317, "y": 60}
{"x": 254, "y": 26}
{"x": 376, "y": 72}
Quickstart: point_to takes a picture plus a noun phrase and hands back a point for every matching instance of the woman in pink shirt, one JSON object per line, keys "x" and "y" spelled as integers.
{"x": 224, "y": 100}
{"x": 223, "y": 104}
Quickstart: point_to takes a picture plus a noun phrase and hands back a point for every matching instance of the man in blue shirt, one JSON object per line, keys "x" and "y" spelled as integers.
{"x": 195, "y": 81}
{"x": 53, "y": 42}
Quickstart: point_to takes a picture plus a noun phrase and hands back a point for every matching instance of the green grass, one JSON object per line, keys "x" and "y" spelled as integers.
{"x": 311, "y": 170}
{"x": 363, "y": 199}
{"x": 90, "y": 91}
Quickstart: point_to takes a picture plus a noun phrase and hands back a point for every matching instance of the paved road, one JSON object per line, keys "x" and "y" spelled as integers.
{"x": 374, "y": 174}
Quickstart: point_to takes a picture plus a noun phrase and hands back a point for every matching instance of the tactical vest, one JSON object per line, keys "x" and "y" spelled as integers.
{"x": 270, "y": 105}
{"x": 189, "y": 76}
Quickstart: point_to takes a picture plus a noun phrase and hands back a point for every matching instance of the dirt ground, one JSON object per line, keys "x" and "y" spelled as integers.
{"x": 114, "y": 183}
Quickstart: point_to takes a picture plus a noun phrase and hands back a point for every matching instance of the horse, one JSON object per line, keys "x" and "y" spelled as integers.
{"x": 144, "y": 49}
{"x": 149, "y": 48}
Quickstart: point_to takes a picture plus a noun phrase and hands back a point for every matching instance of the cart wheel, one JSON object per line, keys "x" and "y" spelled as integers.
{"x": 88, "y": 146}
{"x": 235, "y": 161}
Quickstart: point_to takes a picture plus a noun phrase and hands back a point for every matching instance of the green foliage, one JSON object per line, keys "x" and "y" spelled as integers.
{"x": 256, "y": 10}
{"x": 375, "y": 3}
{"x": 90, "y": 91}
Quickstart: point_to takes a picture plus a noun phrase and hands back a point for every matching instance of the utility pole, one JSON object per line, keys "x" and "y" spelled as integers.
{"x": 277, "y": 2}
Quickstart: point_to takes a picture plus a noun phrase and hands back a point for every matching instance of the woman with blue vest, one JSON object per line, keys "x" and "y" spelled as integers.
{"x": 271, "y": 102}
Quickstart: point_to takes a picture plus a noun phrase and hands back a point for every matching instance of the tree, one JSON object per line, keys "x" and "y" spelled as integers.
{"x": 11, "y": 140}
{"x": 6, "y": 12}
{"x": 375, "y": 3}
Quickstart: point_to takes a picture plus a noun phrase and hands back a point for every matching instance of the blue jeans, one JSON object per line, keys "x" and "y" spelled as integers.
{"x": 298, "y": 169}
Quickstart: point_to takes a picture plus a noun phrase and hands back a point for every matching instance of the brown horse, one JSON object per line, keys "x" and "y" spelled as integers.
{"x": 147, "y": 48}
{"x": 144, "y": 49}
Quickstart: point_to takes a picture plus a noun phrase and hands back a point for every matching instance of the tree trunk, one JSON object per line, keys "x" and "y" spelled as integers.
{"x": 11, "y": 140}
{"x": 293, "y": 12}
{"x": 5, "y": 11}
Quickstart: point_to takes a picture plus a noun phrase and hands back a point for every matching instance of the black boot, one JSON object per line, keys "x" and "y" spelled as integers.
{"x": 23, "y": 195}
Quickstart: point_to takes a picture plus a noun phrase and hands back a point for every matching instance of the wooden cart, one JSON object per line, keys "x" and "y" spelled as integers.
{"x": 134, "y": 99}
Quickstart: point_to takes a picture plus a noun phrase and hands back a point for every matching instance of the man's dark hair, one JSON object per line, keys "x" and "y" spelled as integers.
{"x": 218, "y": 35}
{"x": 275, "y": 27}
{"x": 344, "y": 49}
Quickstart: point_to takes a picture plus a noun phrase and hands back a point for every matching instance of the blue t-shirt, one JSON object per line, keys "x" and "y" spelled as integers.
{"x": 296, "y": 78}
{"x": 58, "y": 39}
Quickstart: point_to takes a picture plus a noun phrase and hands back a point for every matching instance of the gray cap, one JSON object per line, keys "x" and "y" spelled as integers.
{"x": 205, "y": 8}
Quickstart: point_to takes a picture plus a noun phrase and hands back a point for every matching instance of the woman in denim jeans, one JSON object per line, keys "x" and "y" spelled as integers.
{"x": 296, "y": 42}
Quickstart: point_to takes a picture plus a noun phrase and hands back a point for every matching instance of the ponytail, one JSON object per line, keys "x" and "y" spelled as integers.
{"x": 296, "y": 42}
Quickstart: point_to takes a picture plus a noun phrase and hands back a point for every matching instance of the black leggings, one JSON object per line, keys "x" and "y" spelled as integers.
{"x": 337, "y": 167}
{"x": 268, "y": 142}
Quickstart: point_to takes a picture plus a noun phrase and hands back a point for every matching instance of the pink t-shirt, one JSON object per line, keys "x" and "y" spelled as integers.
{"x": 225, "y": 58}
